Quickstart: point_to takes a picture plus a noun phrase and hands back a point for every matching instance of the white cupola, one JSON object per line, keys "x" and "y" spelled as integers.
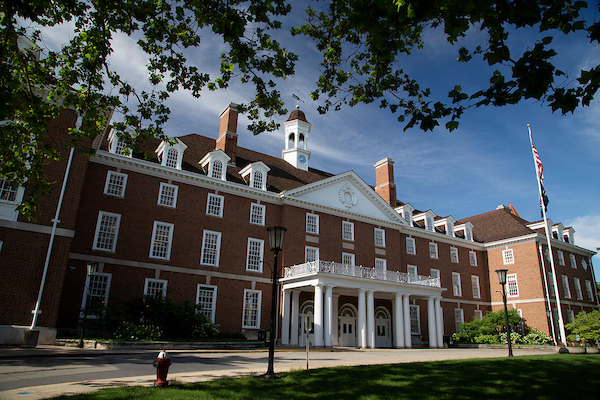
{"x": 296, "y": 130}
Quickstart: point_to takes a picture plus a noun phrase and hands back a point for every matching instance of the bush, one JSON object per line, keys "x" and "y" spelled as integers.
{"x": 587, "y": 326}
{"x": 128, "y": 331}
{"x": 492, "y": 323}
{"x": 536, "y": 337}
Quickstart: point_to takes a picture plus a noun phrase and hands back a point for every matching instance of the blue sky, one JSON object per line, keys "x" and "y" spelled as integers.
{"x": 486, "y": 162}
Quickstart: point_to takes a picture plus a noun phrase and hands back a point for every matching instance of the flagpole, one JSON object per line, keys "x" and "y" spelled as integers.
{"x": 561, "y": 325}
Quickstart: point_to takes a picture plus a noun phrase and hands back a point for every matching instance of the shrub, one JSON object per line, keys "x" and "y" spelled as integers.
{"x": 487, "y": 339}
{"x": 587, "y": 326}
{"x": 536, "y": 337}
{"x": 492, "y": 323}
{"x": 515, "y": 338}
{"x": 129, "y": 331}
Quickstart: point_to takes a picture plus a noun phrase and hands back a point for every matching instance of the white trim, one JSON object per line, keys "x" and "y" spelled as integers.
{"x": 381, "y": 233}
{"x": 508, "y": 256}
{"x": 217, "y": 250}
{"x": 433, "y": 246}
{"x": 454, "y": 255}
{"x": 213, "y": 308}
{"x": 163, "y": 286}
{"x": 262, "y": 214}
{"x": 456, "y": 284}
{"x": 475, "y": 287}
{"x": 411, "y": 246}
{"x": 88, "y": 291}
{"x": 248, "y": 292}
{"x": 512, "y": 285}
{"x": 121, "y": 186}
{"x": 211, "y": 205}
{"x": 101, "y": 215}
{"x": 161, "y": 194}
{"x": 155, "y": 242}
{"x": 350, "y": 225}
{"x": 259, "y": 263}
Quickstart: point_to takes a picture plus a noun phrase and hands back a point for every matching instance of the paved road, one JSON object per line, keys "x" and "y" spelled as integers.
{"x": 51, "y": 371}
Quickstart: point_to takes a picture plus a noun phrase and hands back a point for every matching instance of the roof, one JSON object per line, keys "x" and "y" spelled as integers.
{"x": 497, "y": 225}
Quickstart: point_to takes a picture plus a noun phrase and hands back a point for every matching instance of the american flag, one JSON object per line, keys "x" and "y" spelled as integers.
{"x": 539, "y": 167}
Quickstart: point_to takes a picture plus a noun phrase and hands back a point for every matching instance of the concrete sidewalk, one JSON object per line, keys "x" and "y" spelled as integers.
{"x": 254, "y": 363}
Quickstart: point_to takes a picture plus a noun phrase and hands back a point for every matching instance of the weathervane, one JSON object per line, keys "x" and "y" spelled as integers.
{"x": 297, "y": 99}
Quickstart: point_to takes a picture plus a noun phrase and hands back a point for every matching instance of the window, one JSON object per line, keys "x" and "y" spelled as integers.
{"x": 434, "y": 273}
{"x": 584, "y": 264}
{"x": 258, "y": 180}
{"x": 211, "y": 247}
{"x": 512, "y": 287}
{"x": 456, "y": 285}
{"x": 508, "y": 256}
{"x": 117, "y": 146}
{"x": 8, "y": 192}
{"x": 477, "y": 315}
{"x": 107, "y": 230}
{"x": 252, "y": 300}
{"x": 312, "y": 223}
{"x": 578, "y": 292}
{"x": 551, "y": 288}
{"x": 573, "y": 262}
{"x": 348, "y": 259}
{"x": 311, "y": 254}
{"x": 565, "y": 282}
{"x": 473, "y": 258}
{"x": 433, "y": 250}
{"x": 547, "y": 254}
{"x": 454, "y": 254}
{"x": 588, "y": 289}
{"x": 115, "y": 184}
{"x": 412, "y": 270}
{"x": 257, "y": 214}
{"x": 415, "y": 325}
{"x": 217, "y": 169}
{"x": 256, "y": 175}
{"x": 347, "y": 230}
{"x": 206, "y": 301}
{"x": 410, "y": 246}
{"x": 97, "y": 295}
{"x": 214, "y": 205}
{"x": 380, "y": 268}
{"x": 570, "y": 316}
{"x": 468, "y": 234}
{"x": 155, "y": 288}
{"x": 167, "y": 195}
{"x": 475, "y": 287}
{"x": 172, "y": 160}
{"x": 162, "y": 237}
{"x": 459, "y": 319}
{"x": 255, "y": 255}
{"x": 561, "y": 258}
{"x": 379, "y": 237}
{"x": 429, "y": 224}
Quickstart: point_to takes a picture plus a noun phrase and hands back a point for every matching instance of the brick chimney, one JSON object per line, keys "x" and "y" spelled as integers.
{"x": 384, "y": 177}
{"x": 227, "y": 140}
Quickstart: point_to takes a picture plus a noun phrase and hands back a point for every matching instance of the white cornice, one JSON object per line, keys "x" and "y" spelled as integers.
{"x": 441, "y": 237}
{"x": 538, "y": 237}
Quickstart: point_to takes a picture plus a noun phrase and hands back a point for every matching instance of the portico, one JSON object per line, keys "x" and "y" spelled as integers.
{"x": 358, "y": 322}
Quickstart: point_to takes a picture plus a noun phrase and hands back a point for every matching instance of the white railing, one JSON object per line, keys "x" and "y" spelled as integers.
{"x": 329, "y": 267}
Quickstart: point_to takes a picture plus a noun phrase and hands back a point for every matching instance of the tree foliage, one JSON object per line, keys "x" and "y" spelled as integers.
{"x": 492, "y": 324}
{"x": 363, "y": 46}
{"x": 586, "y": 325}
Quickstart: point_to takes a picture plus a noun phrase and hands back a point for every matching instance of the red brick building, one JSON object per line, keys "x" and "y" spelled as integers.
{"x": 359, "y": 266}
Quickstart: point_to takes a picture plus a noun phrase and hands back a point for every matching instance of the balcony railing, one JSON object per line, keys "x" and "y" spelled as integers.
{"x": 333, "y": 268}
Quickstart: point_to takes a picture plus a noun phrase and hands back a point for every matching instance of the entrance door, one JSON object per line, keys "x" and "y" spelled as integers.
{"x": 383, "y": 337}
{"x": 348, "y": 331}
{"x": 307, "y": 321}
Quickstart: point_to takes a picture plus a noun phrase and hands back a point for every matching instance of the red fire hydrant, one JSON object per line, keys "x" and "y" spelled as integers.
{"x": 162, "y": 363}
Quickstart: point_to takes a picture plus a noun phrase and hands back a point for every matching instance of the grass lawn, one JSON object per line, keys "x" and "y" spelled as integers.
{"x": 556, "y": 376}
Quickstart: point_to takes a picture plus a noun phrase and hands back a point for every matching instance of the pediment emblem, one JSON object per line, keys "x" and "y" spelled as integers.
{"x": 347, "y": 196}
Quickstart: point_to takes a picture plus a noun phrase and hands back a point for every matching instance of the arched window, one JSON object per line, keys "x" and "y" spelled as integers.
{"x": 291, "y": 139}
{"x": 172, "y": 157}
{"x": 258, "y": 180}
{"x": 217, "y": 170}
{"x": 301, "y": 141}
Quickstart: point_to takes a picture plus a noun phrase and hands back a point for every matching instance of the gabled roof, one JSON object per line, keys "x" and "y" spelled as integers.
{"x": 497, "y": 225}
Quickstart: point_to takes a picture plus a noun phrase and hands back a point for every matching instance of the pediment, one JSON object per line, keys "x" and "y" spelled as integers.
{"x": 346, "y": 192}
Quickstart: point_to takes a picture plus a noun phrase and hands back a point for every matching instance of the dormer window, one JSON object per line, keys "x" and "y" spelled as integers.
{"x": 257, "y": 175}
{"x": 448, "y": 224}
{"x": 171, "y": 155}
{"x": 557, "y": 232}
{"x": 467, "y": 228}
{"x": 427, "y": 218}
{"x": 215, "y": 164}
{"x": 406, "y": 211}
{"x": 569, "y": 235}
{"x": 116, "y": 145}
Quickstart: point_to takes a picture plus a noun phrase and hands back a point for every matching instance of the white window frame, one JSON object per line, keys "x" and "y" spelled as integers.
{"x": 551, "y": 283}
{"x": 415, "y": 319}
{"x": 456, "y": 284}
{"x": 512, "y": 285}
{"x": 205, "y": 248}
{"x": 584, "y": 264}
{"x": 433, "y": 250}
{"x": 578, "y": 292}
{"x": 348, "y": 259}
{"x": 573, "y": 261}
{"x": 411, "y": 246}
{"x": 312, "y": 223}
{"x": 561, "y": 258}
{"x": 508, "y": 256}
{"x": 212, "y": 208}
{"x": 164, "y": 197}
{"x": 411, "y": 270}
{"x": 156, "y": 241}
{"x": 434, "y": 273}
{"x": 476, "y": 288}
{"x": 590, "y": 291}
{"x": 212, "y": 310}
{"x": 247, "y": 312}
{"x": 348, "y": 230}
{"x": 91, "y": 291}
{"x": 380, "y": 268}
{"x": 115, "y": 189}
{"x": 257, "y": 214}
{"x": 254, "y": 255}
{"x": 150, "y": 281}
{"x": 473, "y": 258}
{"x": 459, "y": 318}
{"x": 454, "y": 255}
{"x": 114, "y": 234}
{"x": 477, "y": 315}
{"x": 566, "y": 289}
{"x": 379, "y": 235}
{"x": 570, "y": 316}
{"x": 308, "y": 250}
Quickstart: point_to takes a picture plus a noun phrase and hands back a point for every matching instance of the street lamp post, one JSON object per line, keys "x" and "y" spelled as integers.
{"x": 502, "y": 280}
{"x": 91, "y": 269}
{"x": 276, "y": 235}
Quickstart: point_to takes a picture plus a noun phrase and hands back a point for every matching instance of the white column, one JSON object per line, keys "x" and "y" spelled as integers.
{"x": 328, "y": 315}
{"x": 285, "y": 318}
{"x": 295, "y": 329}
{"x": 370, "y": 319}
{"x": 406, "y": 310}
{"x": 431, "y": 328}
{"x": 439, "y": 324}
{"x": 319, "y": 315}
{"x": 399, "y": 322}
{"x": 362, "y": 317}
{"x": 335, "y": 315}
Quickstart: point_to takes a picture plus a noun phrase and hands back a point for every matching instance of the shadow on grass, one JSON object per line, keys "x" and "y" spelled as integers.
{"x": 538, "y": 377}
